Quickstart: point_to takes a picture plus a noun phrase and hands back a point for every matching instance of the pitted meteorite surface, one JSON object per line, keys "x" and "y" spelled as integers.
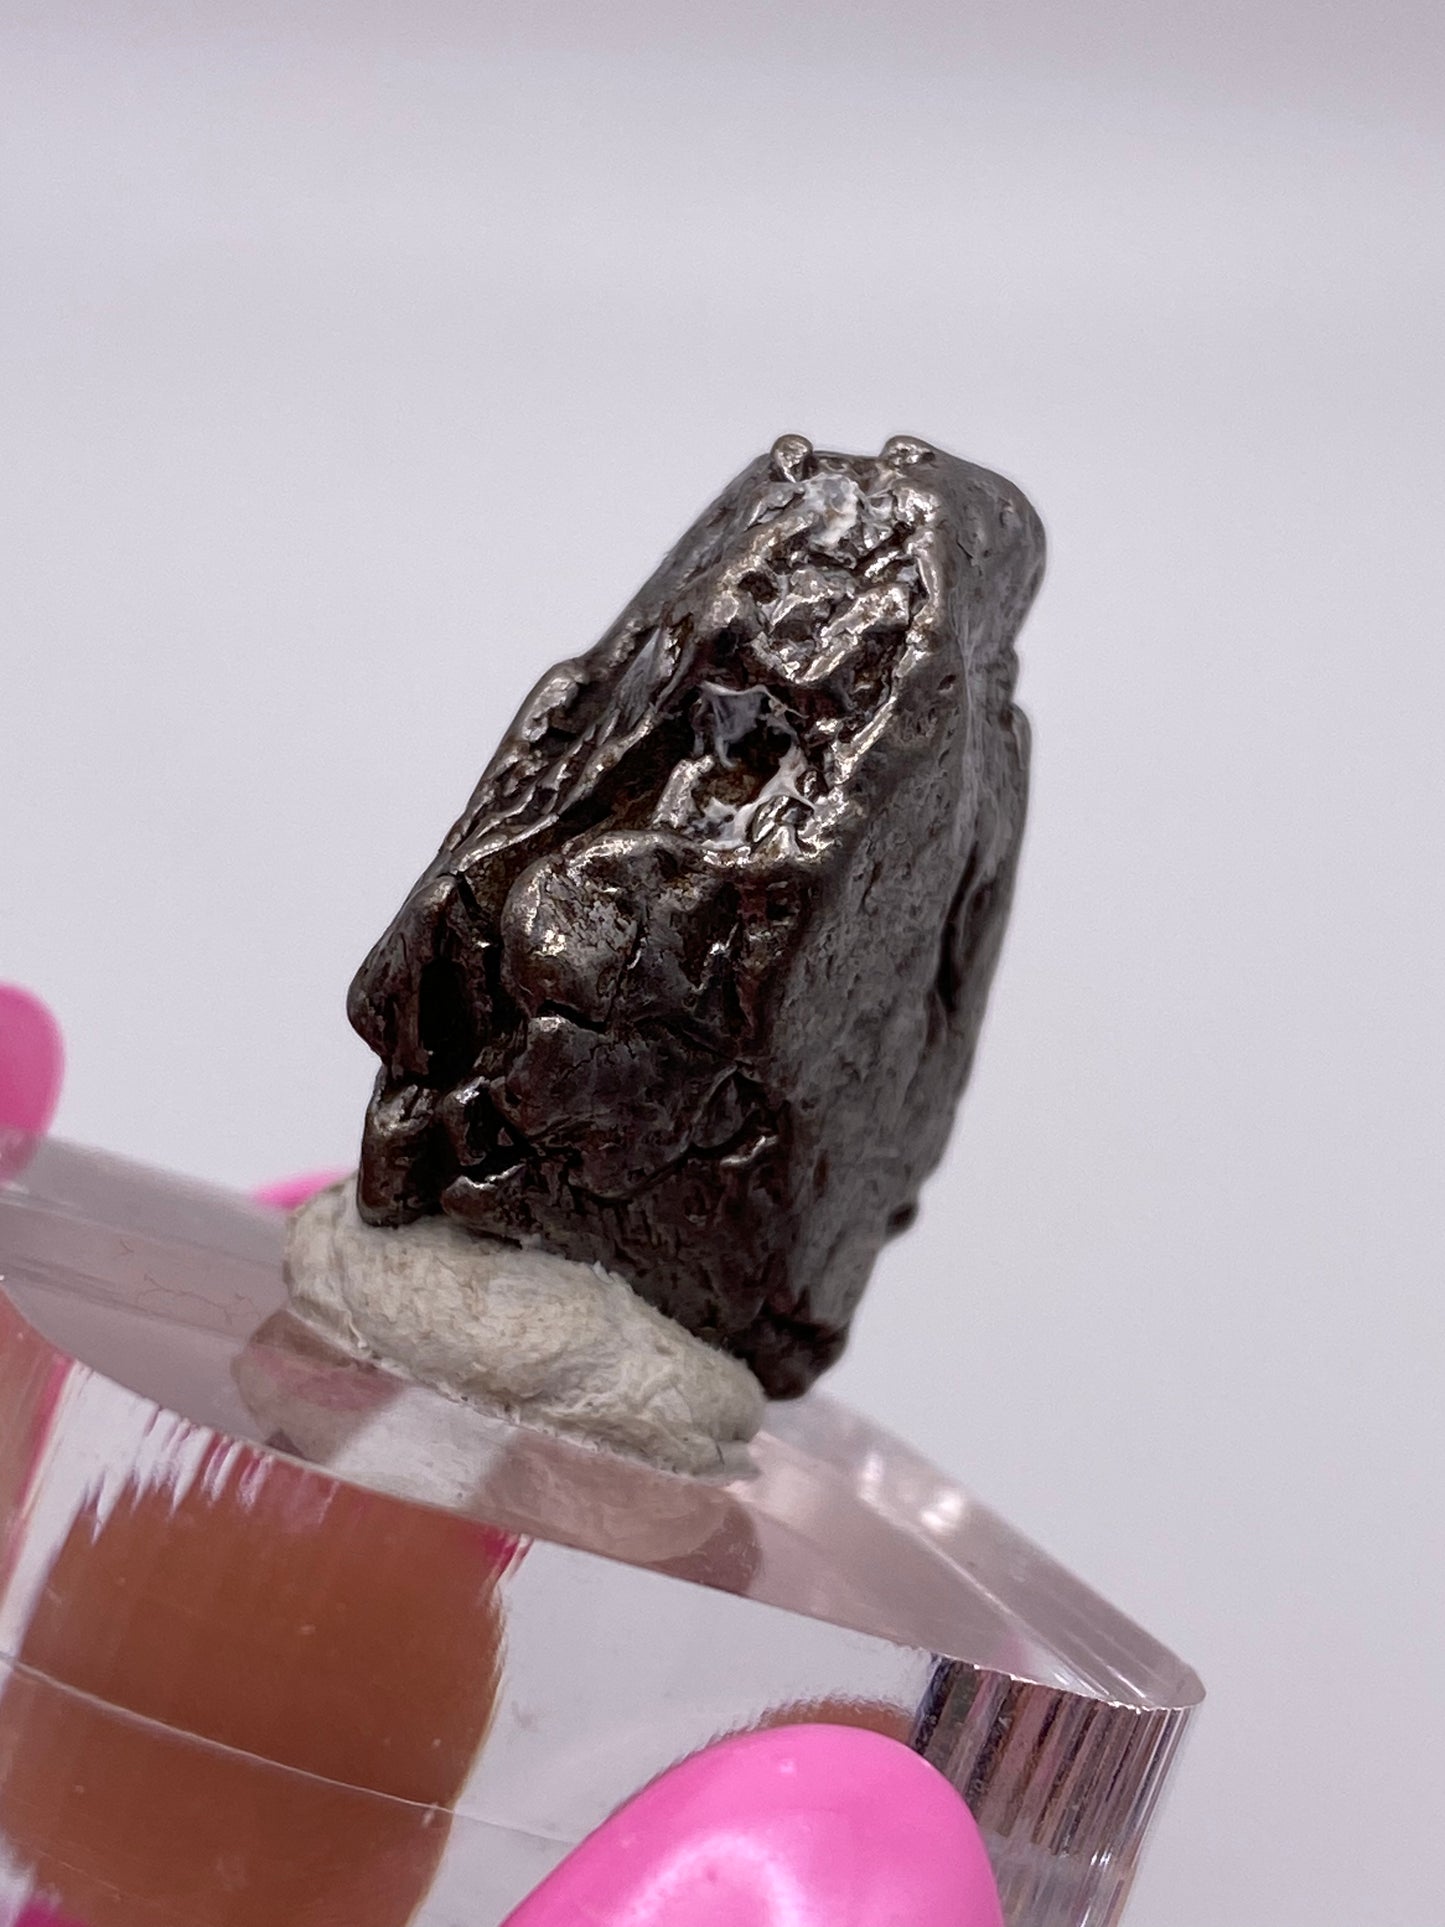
{"x": 694, "y": 984}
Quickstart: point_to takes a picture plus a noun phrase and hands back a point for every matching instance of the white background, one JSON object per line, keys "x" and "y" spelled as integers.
{"x": 360, "y": 360}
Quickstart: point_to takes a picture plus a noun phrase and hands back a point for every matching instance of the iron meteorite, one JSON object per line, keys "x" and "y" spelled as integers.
{"x": 694, "y": 984}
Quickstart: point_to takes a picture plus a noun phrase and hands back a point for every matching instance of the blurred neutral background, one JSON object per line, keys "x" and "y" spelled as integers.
{"x": 360, "y": 359}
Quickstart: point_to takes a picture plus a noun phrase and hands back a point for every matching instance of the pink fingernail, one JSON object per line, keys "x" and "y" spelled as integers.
{"x": 286, "y": 1193}
{"x": 804, "y": 1826}
{"x": 32, "y": 1062}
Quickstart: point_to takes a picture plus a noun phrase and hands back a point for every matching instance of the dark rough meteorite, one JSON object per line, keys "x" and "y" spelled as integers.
{"x": 694, "y": 984}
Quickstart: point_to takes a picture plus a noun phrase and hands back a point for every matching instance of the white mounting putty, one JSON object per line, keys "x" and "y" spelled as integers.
{"x": 539, "y": 1339}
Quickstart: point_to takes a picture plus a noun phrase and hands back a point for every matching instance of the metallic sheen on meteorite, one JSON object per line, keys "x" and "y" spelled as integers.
{"x": 694, "y": 984}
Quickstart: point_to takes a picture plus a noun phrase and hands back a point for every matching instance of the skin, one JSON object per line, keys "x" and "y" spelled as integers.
{"x": 356, "y": 1652}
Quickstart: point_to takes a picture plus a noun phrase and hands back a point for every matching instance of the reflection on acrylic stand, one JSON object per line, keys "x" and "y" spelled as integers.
{"x": 289, "y": 1638}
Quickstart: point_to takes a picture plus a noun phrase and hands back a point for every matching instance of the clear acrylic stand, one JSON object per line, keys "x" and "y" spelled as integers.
{"x": 285, "y": 1638}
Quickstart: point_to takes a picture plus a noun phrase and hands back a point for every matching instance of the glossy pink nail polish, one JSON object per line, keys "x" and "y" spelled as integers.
{"x": 803, "y": 1826}
{"x": 32, "y": 1062}
{"x": 286, "y": 1193}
